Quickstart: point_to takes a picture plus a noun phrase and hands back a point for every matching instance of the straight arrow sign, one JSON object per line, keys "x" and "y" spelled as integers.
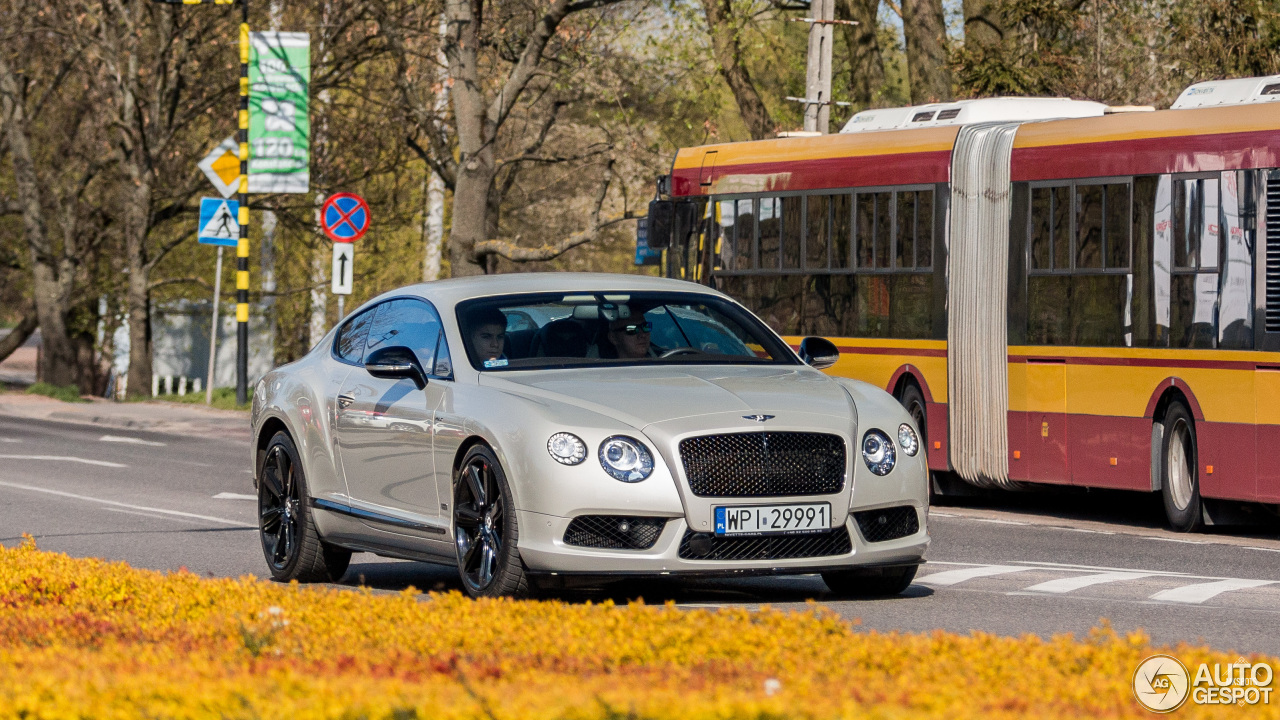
{"x": 343, "y": 268}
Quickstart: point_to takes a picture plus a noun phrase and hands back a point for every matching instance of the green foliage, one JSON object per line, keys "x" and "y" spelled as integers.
{"x": 223, "y": 398}
{"x": 66, "y": 393}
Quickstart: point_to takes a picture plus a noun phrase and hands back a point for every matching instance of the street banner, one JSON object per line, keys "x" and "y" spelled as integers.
{"x": 279, "y": 127}
{"x": 344, "y": 255}
{"x": 222, "y": 167}
{"x": 645, "y": 255}
{"x": 218, "y": 224}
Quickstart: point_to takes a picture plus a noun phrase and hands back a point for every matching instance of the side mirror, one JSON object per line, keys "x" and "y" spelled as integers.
{"x": 662, "y": 215}
{"x": 395, "y": 362}
{"x": 819, "y": 352}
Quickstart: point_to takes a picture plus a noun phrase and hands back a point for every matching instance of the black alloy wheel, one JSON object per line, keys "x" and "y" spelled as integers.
{"x": 485, "y": 534}
{"x": 290, "y": 542}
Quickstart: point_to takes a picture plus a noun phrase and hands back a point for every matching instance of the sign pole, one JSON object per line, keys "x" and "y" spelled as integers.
{"x": 213, "y": 329}
{"x": 242, "y": 248}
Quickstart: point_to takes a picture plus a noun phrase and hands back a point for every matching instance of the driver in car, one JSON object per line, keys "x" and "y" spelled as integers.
{"x": 630, "y": 336}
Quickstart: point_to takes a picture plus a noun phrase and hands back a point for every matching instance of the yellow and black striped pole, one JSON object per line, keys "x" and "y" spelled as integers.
{"x": 242, "y": 246}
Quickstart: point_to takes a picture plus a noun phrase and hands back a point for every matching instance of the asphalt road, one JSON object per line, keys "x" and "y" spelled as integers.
{"x": 1036, "y": 563}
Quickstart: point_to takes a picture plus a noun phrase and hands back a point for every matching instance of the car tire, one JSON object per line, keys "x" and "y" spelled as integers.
{"x": 286, "y": 527}
{"x": 485, "y": 532}
{"x": 870, "y": 582}
{"x": 1179, "y": 462}
{"x": 913, "y": 401}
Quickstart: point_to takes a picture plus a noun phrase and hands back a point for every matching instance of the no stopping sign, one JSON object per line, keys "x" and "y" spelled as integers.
{"x": 344, "y": 217}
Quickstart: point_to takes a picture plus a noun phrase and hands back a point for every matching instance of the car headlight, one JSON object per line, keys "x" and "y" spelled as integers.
{"x": 625, "y": 458}
{"x": 566, "y": 448}
{"x": 908, "y": 440}
{"x": 877, "y": 452}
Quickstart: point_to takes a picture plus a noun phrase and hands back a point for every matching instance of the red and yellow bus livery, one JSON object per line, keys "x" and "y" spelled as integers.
{"x": 1091, "y": 301}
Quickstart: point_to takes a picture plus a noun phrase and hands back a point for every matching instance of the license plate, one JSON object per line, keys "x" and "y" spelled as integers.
{"x": 772, "y": 519}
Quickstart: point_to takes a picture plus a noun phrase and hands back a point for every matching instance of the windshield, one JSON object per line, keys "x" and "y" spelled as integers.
{"x": 528, "y": 332}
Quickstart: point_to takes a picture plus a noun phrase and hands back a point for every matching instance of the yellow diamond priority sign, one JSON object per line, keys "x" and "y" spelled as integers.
{"x": 222, "y": 167}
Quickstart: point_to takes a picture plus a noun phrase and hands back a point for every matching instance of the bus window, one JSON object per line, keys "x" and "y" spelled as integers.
{"x": 792, "y": 229}
{"x": 924, "y": 229}
{"x": 884, "y": 230}
{"x": 1089, "y": 227}
{"x": 1041, "y": 239}
{"x": 770, "y": 232}
{"x": 1061, "y": 227}
{"x": 1117, "y": 226}
{"x": 841, "y": 231}
{"x": 905, "y": 255}
{"x": 744, "y": 250}
{"x": 865, "y": 230}
{"x": 817, "y": 238}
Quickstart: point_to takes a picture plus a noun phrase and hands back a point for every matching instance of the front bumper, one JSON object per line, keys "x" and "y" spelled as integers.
{"x": 544, "y": 551}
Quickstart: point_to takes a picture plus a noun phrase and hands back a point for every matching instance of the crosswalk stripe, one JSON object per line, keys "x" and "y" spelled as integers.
{"x": 953, "y": 577}
{"x": 1200, "y": 592}
{"x": 1066, "y": 585}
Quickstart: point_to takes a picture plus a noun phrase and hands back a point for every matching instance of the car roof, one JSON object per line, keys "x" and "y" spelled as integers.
{"x": 455, "y": 290}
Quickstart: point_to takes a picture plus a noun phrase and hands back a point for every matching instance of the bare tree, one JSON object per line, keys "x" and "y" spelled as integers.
{"x": 925, "y": 31}
{"x": 726, "y": 45}
{"x": 46, "y": 133}
{"x": 866, "y": 63}
{"x": 492, "y": 62}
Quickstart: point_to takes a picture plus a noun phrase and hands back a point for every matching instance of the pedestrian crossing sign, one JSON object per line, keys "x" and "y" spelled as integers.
{"x": 219, "y": 222}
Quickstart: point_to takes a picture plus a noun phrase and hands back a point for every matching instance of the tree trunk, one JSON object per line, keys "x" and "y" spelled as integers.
{"x": 727, "y": 51}
{"x": 866, "y": 64}
{"x": 52, "y": 276}
{"x": 924, "y": 26}
{"x": 471, "y": 214}
{"x": 138, "y": 291}
{"x": 984, "y": 25}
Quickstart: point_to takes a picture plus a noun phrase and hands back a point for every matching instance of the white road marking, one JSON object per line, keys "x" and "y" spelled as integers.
{"x": 133, "y": 440}
{"x": 994, "y": 521}
{"x": 1080, "y": 530}
{"x": 1066, "y": 585}
{"x": 934, "y": 513}
{"x": 1198, "y": 593}
{"x": 1077, "y": 568}
{"x": 144, "y": 508}
{"x": 234, "y": 496}
{"x": 1178, "y": 540}
{"x": 149, "y": 515}
{"x": 10, "y": 440}
{"x": 1252, "y": 547}
{"x": 64, "y": 458}
{"x": 954, "y": 577}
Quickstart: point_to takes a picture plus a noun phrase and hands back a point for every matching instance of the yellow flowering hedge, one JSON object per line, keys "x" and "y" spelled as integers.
{"x": 91, "y": 639}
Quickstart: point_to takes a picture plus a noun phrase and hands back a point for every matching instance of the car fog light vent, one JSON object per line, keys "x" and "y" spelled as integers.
{"x": 888, "y": 523}
{"x": 611, "y": 532}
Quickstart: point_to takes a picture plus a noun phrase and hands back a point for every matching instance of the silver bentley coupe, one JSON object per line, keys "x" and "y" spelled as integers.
{"x": 542, "y": 430}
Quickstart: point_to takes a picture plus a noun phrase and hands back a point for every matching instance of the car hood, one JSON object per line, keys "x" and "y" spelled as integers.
{"x": 641, "y": 396}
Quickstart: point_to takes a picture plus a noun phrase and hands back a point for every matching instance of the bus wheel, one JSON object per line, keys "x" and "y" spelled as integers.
{"x": 1179, "y": 482}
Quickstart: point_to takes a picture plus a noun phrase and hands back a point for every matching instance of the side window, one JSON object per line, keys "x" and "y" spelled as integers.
{"x": 349, "y": 345}
{"x": 410, "y": 323}
{"x": 444, "y": 363}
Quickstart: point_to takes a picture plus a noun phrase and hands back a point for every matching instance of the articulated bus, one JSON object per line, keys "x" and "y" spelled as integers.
{"x": 1059, "y": 292}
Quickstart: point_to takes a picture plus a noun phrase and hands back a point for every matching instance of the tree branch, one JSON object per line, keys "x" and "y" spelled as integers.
{"x": 511, "y": 250}
{"x": 19, "y": 334}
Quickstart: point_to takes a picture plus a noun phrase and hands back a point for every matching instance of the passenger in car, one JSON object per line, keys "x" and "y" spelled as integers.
{"x": 487, "y": 334}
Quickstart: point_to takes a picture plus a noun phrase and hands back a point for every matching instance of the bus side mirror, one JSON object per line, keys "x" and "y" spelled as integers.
{"x": 662, "y": 215}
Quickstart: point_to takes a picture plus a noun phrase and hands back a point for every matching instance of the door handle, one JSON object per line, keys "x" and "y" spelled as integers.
{"x": 345, "y": 401}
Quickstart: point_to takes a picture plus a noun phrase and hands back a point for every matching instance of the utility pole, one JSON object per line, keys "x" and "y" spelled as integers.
{"x": 817, "y": 108}
{"x": 242, "y": 246}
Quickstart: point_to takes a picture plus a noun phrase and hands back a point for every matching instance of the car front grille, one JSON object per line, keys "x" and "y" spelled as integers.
{"x": 705, "y": 546}
{"x": 764, "y": 464}
{"x": 888, "y": 523}
{"x": 614, "y": 532}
